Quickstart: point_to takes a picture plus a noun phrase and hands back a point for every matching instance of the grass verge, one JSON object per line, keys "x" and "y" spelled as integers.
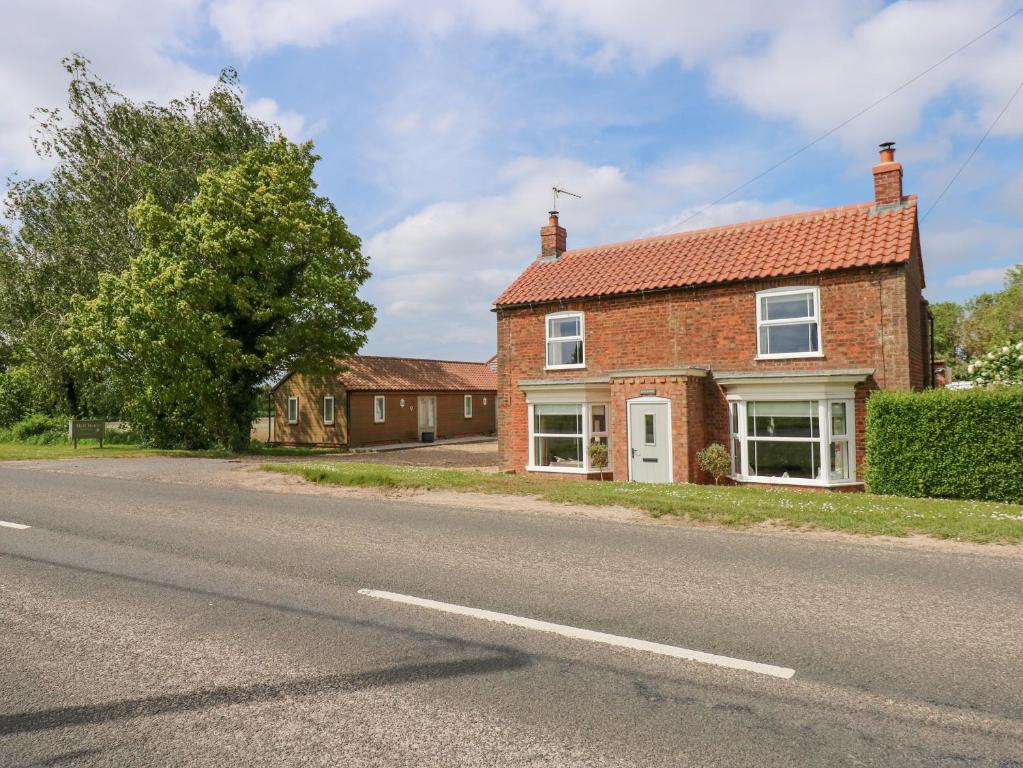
{"x": 984, "y": 522}
{"x": 19, "y": 450}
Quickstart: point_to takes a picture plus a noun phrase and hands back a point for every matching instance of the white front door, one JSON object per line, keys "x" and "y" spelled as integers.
{"x": 649, "y": 441}
{"x": 427, "y": 409}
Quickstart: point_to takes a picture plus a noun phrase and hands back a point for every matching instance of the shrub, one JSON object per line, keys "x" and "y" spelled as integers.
{"x": 15, "y": 396}
{"x": 598, "y": 455}
{"x": 960, "y": 445}
{"x": 1001, "y": 366}
{"x": 715, "y": 461}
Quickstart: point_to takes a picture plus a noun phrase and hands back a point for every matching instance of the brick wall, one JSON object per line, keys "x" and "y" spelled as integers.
{"x": 865, "y": 323}
{"x": 401, "y": 423}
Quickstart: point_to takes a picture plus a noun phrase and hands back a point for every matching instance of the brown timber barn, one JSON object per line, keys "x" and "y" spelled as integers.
{"x": 379, "y": 400}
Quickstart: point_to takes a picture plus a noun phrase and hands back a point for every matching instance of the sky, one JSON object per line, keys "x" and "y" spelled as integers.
{"x": 442, "y": 126}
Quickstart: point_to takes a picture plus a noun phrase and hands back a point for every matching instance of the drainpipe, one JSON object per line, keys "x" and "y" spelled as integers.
{"x": 930, "y": 320}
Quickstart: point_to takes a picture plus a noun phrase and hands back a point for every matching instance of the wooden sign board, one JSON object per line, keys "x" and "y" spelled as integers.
{"x": 86, "y": 429}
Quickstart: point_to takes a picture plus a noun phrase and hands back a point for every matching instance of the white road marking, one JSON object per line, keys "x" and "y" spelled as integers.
{"x": 15, "y": 526}
{"x": 586, "y": 634}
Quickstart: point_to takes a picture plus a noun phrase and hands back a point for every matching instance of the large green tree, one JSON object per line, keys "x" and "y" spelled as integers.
{"x": 108, "y": 154}
{"x": 254, "y": 276}
{"x": 995, "y": 319}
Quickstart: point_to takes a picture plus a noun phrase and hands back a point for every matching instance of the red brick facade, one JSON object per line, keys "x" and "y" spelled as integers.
{"x": 870, "y": 318}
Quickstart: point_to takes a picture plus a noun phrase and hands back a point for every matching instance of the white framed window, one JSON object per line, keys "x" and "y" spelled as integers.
{"x": 328, "y": 410}
{"x": 798, "y": 442}
{"x": 565, "y": 333}
{"x": 559, "y": 434}
{"x": 467, "y": 406}
{"x": 788, "y": 323}
{"x": 293, "y": 410}
{"x": 379, "y": 408}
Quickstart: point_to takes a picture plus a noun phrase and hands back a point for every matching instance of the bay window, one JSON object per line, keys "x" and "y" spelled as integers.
{"x": 788, "y": 323}
{"x": 559, "y": 434}
{"x": 808, "y": 442}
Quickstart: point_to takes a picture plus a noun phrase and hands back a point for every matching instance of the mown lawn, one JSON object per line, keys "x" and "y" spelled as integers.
{"x": 851, "y": 512}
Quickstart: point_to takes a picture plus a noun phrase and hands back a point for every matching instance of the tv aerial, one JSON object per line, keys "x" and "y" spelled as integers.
{"x": 558, "y": 191}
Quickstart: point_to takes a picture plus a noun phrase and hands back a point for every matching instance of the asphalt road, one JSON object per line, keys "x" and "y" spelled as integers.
{"x": 153, "y": 623}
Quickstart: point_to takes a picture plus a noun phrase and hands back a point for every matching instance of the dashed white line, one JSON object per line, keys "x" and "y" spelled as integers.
{"x": 586, "y": 634}
{"x": 15, "y": 526}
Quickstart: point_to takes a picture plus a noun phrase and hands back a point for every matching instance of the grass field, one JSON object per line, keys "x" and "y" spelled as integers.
{"x": 859, "y": 513}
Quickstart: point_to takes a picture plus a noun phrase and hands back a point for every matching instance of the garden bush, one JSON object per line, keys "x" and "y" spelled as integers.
{"x": 961, "y": 445}
{"x": 39, "y": 429}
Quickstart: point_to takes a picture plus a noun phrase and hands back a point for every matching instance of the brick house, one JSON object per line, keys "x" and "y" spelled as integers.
{"x": 765, "y": 336}
{"x": 377, "y": 400}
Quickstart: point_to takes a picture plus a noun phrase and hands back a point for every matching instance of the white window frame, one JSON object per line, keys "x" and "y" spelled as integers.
{"x": 326, "y": 421}
{"x": 379, "y": 415}
{"x": 587, "y": 435}
{"x": 467, "y": 406}
{"x": 741, "y": 466}
{"x": 581, "y": 338}
{"x": 816, "y": 318}
{"x": 292, "y": 399}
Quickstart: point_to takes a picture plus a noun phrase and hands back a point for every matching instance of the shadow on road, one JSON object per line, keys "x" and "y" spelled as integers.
{"x": 63, "y": 717}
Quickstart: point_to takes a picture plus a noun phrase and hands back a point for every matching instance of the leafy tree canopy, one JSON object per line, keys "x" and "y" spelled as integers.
{"x": 109, "y": 153}
{"x": 254, "y": 276}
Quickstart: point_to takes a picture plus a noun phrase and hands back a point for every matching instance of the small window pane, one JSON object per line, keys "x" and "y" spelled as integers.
{"x": 783, "y": 459}
{"x": 787, "y": 307}
{"x": 783, "y": 419}
{"x": 736, "y": 456}
{"x": 733, "y": 418}
{"x": 648, "y": 424}
{"x": 788, "y": 339}
{"x": 378, "y": 409}
{"x": 467, "y": 406}
{"x": 563, "y": 326}
{"x": 598, "y": 418}
{"x": 293, "y": 409}
{"x": 840, "y": 460}
{"x": 838, "y": 419}
{"x": 559, "y": 451}
{"x": 558, "y": 419}
{"x": 564, "y": 352}
{"x": 328, "y": 409}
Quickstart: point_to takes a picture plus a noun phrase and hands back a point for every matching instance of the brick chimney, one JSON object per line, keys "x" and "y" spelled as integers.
{"x": 888, "y": 176}
{"x": 553, "y": 239}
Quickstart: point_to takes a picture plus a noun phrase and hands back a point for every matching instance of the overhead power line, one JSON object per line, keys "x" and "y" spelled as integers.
{"x": 859, "y": 114}
{"x": 969, "y": 157}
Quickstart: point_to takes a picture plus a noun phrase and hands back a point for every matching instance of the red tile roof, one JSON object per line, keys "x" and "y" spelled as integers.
{"x": 803, "y": 243}
{"x": 408, "y": 373}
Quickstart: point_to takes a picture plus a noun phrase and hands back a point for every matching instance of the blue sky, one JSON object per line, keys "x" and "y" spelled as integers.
{"x": 443, "y": 125}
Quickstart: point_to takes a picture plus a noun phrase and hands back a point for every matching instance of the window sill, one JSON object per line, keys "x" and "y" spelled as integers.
{"x": 564, "y": 470}
{"x": 795, "y": 356}
{"x": 328, "y": 423}
{"x": 564, "y": 367}
{"x": 793, "y": 481}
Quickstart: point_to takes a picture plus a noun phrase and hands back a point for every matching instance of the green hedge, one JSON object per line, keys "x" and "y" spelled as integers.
{"x": 959, "y": 445}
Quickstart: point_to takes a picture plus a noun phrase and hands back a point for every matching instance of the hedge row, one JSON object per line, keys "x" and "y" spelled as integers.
{"x": 960, "y": 445}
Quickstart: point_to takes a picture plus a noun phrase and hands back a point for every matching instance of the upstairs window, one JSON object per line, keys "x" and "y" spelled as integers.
{"x": 565, "y": 340}
{"x": 379, "y": 409}
{"x": 788, "y": 323}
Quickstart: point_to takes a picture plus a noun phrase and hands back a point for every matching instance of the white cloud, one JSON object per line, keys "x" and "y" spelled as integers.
{"x": 292, "y": 124}
{"x": 134, "y": 45}
{"x": 437, "y": 271}
{"x": 812, "y": 61}
{"x": 989, "y": 277}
